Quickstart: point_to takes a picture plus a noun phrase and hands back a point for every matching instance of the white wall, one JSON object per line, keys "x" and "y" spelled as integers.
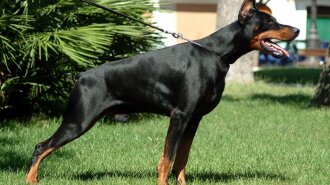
{"x": 167, "y": 21}
{"x": 192, "y": 1}
{"x": 285, "y": 12}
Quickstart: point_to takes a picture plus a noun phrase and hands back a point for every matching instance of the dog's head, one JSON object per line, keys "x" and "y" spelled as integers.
{"x": 261, "y": 28}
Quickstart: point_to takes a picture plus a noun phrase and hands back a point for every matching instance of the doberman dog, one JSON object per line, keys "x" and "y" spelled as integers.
{"x": 184, "y": 82}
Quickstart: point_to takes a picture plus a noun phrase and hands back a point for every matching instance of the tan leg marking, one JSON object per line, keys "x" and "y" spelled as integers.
{"x": 163, "y": 170}
{"x": 181, "y": 160}
{"x": 32, "y": 176}
{"x": 182, "y": 155}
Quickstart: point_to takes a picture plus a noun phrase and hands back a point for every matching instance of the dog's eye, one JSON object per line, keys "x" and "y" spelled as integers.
{"x": 268, "y": 21}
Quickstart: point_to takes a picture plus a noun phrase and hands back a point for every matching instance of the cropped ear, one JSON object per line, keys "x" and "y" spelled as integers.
{"x": 246, "y": 10}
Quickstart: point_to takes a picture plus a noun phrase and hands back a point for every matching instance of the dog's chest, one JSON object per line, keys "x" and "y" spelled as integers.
{"x": 211, "y": 97}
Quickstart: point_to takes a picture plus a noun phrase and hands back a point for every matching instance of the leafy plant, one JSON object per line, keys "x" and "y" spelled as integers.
{"x": 44, "y": 43}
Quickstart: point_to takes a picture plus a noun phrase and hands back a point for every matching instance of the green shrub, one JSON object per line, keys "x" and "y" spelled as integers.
{"x": 45, "y": 43}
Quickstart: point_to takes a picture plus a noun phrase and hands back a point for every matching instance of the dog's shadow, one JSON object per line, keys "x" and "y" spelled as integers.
{"x": 198, "y": 176}
{"x": 228, "y": 177}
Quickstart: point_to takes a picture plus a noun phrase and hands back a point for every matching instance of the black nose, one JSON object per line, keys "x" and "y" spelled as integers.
{"x": 296, "y": 31}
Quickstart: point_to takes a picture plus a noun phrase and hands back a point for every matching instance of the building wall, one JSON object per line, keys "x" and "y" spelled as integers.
{"x": 196, "y": 21}
{"x": 191, "y": 1}
{"x": 197, "y": 18}
{"x": 286, "y": 12}
{"x": 193, "y": 19}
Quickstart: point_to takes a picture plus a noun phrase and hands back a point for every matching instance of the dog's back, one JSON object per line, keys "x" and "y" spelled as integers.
{"x": 152, "y": 82}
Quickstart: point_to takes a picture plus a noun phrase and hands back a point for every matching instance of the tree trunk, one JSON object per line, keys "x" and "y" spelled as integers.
{"x": 242, "y": 70}
{"x": 322, "y": 94}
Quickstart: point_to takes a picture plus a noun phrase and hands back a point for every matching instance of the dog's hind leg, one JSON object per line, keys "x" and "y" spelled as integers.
{"x": 86, "y": 104}
{"x": 182, "y": 154}
{"x": 178, "y": 124}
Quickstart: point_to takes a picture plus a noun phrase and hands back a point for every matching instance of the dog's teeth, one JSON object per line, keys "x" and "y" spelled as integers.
{"x": 278, "y": 53}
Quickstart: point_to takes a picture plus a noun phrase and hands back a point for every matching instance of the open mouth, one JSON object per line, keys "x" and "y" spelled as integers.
{"x": 274, "y": 49}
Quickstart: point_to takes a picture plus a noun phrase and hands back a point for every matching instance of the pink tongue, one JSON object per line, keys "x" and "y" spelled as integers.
{"x": 281, "y": 49}
{"x": 276, "y": 47}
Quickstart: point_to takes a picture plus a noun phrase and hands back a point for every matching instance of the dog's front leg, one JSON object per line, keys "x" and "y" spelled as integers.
{"x": 182, "y": 154}
{"x": 178, "y": 124}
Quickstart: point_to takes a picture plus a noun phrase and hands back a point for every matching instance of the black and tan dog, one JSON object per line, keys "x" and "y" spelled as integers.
{"x": 184, "y": 82}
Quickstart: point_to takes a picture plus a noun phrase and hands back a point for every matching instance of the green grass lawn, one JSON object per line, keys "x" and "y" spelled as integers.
{"x": 289, "y": 75}
{"x": 259, "y": 134}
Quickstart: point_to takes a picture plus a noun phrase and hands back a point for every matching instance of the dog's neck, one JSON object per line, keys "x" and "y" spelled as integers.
{"x": 228, "y": 43}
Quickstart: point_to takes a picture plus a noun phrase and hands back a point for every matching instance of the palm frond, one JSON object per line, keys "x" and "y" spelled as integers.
{"x": 6, "y": 51}
{"x": 43, "y": 43}
{"x": 82, "y": 44}
{"x": 36, "y": 89}
{"x": 16, "y": 23}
